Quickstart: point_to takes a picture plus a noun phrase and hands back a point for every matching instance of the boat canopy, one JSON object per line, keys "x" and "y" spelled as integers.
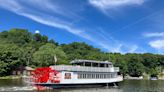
{"x": 91, "y": 63}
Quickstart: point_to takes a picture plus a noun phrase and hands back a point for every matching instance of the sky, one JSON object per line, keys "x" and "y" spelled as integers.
{"x": 125, "y": 26}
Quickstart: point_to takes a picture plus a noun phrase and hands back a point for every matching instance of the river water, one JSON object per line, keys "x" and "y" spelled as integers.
{"x": 125, "y": 86}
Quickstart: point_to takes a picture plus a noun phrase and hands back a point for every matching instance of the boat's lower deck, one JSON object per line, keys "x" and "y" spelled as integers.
{"x": 52, "y": 78}
{"x": 77, "y": 85}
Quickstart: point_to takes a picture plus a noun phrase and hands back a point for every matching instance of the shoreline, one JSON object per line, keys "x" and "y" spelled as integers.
{"x": 11, "y": 77}
{"x": 125, "y": 78}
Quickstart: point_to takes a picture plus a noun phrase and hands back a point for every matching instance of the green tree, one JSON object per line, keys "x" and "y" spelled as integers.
{"x": 45, "y": 55}
{"x": 135, "y": 67}
{"x": 16, "y": 36}
{"x": 150, "y": 60}
{"x": 123, "y": 67}
{"x": 29, "y": 49}
{"x": 81, "y": 50}
{"x": 20, "y": 47}
{"x": 153, "y": 72}
{"x": 10, "y": 58}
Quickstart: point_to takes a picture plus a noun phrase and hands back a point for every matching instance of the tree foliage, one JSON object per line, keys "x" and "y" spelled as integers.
{"x": 46, "y": 53}
{"x": 10, "y": 58}
{"x": 18, "y": 47}
{"x": 135, "y": 67}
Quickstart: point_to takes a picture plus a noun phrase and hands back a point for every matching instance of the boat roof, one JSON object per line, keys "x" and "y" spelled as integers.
{"x": 28, "y": 68}
{"x": 89, "y": 61}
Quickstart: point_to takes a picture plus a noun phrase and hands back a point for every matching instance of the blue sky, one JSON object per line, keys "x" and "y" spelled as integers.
{"x": 125, "y": 26}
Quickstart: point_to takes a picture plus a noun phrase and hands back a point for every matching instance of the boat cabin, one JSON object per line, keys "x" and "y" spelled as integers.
{"x": 87, "y": 69}
{"x": 92, "y": 63}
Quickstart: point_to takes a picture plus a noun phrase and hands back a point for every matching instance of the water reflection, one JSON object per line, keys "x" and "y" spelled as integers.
{"x": 32, "y": 89}
{"x": 126, "y": 86}
{"x": 102, "y": 89}
{"x": 17, "y": 89}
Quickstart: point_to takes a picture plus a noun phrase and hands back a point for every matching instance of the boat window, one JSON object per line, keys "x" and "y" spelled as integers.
{"x": 85, "y": 76}
{"x": 92, "y": 76}
{"x": 78, "y": 76}
{"x": 96, "y": 75}
{"x": 67, "y": 75}
{"x": 110, "y": 65}
{"x": 102, "y": 65}
{"x": 95, "y": 65}
{"x": 87, "y": 64}
{"x": 108, "y": 75}
{"x": 82, "y": 76}
{"x": 105, "y": 76}
{"x": 100, "y": 76}
{"x": 89, "y": 76}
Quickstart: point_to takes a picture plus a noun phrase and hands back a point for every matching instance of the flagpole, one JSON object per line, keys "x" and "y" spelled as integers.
{"x": 55, "y": 59}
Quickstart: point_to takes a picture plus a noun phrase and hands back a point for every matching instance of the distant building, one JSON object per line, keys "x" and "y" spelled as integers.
{"x": 23, "y": 70}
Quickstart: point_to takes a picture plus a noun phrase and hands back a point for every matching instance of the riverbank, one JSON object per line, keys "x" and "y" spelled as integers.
{"x": 10, "y": 77}
{"x": 144, "y": 77}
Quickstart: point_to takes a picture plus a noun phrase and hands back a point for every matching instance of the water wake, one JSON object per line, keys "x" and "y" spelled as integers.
{"x": 15, "y": 89}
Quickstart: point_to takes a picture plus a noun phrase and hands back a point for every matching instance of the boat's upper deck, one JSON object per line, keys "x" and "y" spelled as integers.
{"x": 84, "y": 68}
{"x": 92, "y": 63}
{"x": 87, "y": 66}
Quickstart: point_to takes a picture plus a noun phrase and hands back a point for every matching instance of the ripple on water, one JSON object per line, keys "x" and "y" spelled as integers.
{"x": 12, "y": 89}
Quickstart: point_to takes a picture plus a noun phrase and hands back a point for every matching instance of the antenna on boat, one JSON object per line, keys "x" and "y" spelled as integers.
{"x": 55, "y": 59}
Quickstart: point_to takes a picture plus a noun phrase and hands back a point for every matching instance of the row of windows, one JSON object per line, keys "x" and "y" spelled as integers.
{"x": 96, "y": 76}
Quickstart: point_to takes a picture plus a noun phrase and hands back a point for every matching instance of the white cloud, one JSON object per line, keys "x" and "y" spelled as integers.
{"x": 155, "y": 34}
{"x": 133, "y": 48}
{"x": 157, "y": 44}
{"x": 130, "y": 49}
{"x": 49, "y": 20}
{"x": 156, "y": 38}
{"x": 109, "y": 4}
{"x": 54, "y": 23}
{"x": 38, "y": 14}
{"x": 18, "y": 8}
{"x": 156, "y": 41}
{"x": 118, "y": 48}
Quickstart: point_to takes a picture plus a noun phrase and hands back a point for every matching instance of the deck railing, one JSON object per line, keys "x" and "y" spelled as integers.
{"x": 84, "y": 68}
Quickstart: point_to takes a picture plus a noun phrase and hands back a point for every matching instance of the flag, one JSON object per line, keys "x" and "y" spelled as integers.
{"x": 55, "y": 58}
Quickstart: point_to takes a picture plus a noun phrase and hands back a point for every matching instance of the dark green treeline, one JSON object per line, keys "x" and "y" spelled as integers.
{"x": 18, "y": 47}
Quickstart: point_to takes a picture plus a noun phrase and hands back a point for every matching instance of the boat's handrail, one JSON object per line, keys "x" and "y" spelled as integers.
{"x": 84, "y": 68}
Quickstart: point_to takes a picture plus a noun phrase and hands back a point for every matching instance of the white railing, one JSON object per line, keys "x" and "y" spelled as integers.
{"x": 84, "y": 68}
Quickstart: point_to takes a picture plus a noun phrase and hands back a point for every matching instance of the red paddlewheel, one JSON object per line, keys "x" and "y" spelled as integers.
{"x": 42, "y": 75}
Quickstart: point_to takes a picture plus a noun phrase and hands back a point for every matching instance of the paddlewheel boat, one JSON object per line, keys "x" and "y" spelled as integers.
{"x": 82, "y": 73}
